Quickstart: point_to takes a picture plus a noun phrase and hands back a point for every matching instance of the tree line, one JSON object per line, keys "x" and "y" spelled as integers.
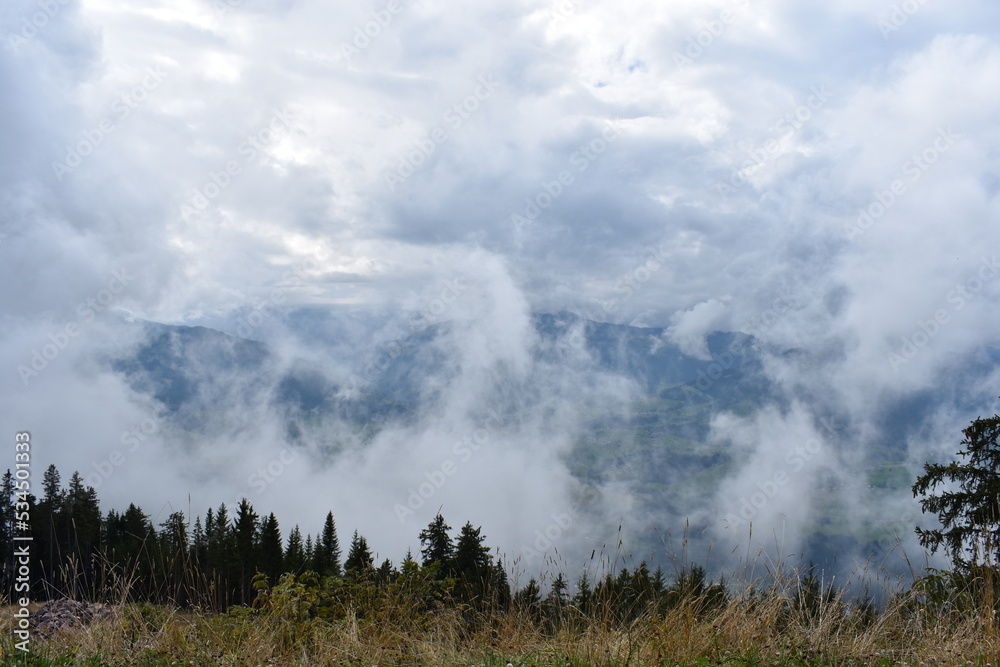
{"x": 234, "y": 556}
{"x": 230, "y": 555}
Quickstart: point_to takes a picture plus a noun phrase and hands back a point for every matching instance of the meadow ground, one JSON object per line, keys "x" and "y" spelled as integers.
{"x": 772, "y": 627}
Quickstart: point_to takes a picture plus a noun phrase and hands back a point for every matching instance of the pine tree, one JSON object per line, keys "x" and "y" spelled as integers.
{"x": 52, "y": 486}
{"x": 437, "y": 546}
{"x": 220, "y": 552}
{"x": 409, "y": 567}
{"x": 245, "y": 530}
{"x": 47, "y": 522}
{"x": 174, "y": 537}
{"x": 271, "y": 555}
{"x": 583, "y": 594}
{"x": 528, "y": 600}
{"x": 471, "y": 563}
{"x": 385, "y": 573}
{"x": 198, "y": 542}
{"x": 555, "y": 602}
{"x": 500, "y": 596}
{"x": 295, "y": 553}
{"x": 173, "y": 557}
{"x": 310, "y": 553}
{"x": 7, "y": 505}
{"x": 969, "y": 509}
{"x": 359, "y": 561}
{"x": 82, "y": 520}
{"x": 326, "y": 552}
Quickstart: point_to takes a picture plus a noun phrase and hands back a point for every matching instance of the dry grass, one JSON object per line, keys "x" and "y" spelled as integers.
{"x": 756, "y": 627}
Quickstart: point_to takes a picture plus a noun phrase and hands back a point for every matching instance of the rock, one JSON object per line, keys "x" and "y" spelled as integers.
{"x": 65, "y": 614}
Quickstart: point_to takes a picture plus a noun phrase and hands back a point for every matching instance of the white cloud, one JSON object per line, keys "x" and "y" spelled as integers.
{"x": 847, "y": 302}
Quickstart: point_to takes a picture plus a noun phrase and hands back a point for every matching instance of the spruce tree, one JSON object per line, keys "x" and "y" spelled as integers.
{"x": 310, "y": 553}
{"x": 583, "y": 594}
{"x": 326, "y": 550}
{"x": 295, "y": 553}
{"x": 499, "y": 587}
{"x": 198, "y": 542}
{"x": 172, "y": 558}
{"x": 245, "y": 530}
{"x": 436, "y": 546}
{"x": 409, "y": 567}
{"x": 555, "y": 602}
{"x": 969, "y": 507}
{"x": 528, "y": 600}
{"x": 359, "y": 561}
{"x": 7, "y": 506}
{"x": 220, "y": 552}
{"x": 271, "y": 555}
{"x": 471, "y": 563}
{"x": 47, "y": 522}
{"x": 82, "y": 520}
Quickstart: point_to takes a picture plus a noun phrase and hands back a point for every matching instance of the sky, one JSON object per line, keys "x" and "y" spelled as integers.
{"x": 821, "y": 175}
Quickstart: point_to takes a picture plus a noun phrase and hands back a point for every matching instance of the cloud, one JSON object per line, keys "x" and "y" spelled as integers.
{"x": 236, "y": 160}
{"x": 690, "y": 328}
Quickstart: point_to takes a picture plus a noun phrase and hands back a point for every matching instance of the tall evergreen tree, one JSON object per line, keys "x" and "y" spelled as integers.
{"x": 436, "y": 546}
{"x": 310, "y": 553}
{"x": 7, "y": 505}
{"x": 326, "y": 550}
{"x": 360, "y": 561}
{"x": 555, "y": 602}
{"x": 220, "y": 551}
{"x": 295, "y": 553}
{"x": 245, "y": 533}
{"x": 82, "y": 523}
{"x": 199, "y": 542}
{"x": 583, "y": 593}
{"x": 173, "y": 557}
{"x": 271, "y": 555}
{"x": 528, "y": 600}
{"x": 52, "y": 486}
{"x": 471, "y": 564}
{"x": 46, "y": 524}
{"x": 174, "y": 536}
{"x": 500, "y": 596}
{"x": 968, "y": 507}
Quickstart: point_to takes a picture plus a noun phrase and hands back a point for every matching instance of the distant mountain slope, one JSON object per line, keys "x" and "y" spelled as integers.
{"x": 659, "y": 449}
